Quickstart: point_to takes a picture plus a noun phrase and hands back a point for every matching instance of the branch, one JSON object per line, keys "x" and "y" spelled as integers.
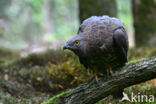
{"x": 93, "y": 91}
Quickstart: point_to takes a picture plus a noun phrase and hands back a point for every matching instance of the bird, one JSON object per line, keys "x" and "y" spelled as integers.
{"x": 101, "y": 44}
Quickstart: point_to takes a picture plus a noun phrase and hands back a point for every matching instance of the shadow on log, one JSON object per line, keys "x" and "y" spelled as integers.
{"x": 93, "y": 91}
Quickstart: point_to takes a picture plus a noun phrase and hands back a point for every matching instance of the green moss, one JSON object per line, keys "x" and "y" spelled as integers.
{"x": 135, "y": 61}
{"x": 44, "y": 72}
{"x": 7, "y": 56}
{"x": 41, "y": 59}
{"x": 53, "y": 99}
{"x": 132, "y": 62}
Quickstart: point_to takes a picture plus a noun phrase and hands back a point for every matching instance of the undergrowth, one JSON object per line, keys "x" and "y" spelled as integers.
{"x": 38, "y": 77}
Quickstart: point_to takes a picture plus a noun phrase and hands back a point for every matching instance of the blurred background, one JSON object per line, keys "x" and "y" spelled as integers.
{"x": 33, "y": 67}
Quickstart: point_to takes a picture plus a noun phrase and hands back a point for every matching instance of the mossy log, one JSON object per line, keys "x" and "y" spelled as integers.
{"x": 93, "y": 91}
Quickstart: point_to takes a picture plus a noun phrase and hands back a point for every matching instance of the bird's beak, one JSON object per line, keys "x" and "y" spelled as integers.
{"x": 66, "y": 47}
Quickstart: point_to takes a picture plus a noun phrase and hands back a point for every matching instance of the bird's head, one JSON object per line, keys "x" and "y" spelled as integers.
{"x": 77, "y": 45}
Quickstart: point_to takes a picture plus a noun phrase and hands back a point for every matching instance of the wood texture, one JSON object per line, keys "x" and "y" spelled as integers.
{"x": 93, "y": 91}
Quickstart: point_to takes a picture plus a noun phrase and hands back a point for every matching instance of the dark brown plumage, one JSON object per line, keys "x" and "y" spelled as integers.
{"x": 101, "y": 43}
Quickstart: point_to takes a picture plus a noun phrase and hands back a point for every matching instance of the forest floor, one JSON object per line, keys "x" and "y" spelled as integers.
{"x": 37, "y": 77}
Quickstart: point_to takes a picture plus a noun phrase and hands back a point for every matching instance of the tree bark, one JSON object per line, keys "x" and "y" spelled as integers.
{"x": 89, "y": 8}
{"x": 144, "y": 12}
{"x": 93, "y": 91}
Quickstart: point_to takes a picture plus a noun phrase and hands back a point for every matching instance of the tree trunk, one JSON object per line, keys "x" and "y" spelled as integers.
{"x": 93, "y": 91}
{"x": 144, "y": 12}
{"x": 89, "y": 8}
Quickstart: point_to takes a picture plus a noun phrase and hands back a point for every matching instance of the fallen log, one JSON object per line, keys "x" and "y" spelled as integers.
{"x": 93, "y": 91}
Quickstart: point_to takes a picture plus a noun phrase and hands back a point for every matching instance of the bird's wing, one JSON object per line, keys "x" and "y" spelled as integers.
{"x": 121, "y": 42}
{"x": 83, "y": 61}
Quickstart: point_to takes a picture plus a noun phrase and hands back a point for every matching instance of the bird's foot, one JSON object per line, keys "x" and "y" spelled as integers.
{"x": 96, "y": 77}
{"x": 109, "y": 73}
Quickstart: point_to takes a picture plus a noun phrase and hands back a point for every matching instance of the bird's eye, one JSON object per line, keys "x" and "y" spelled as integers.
{"x": 77, "y": 43}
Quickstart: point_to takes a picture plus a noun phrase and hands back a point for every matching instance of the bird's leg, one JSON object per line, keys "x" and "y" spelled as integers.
{"x": 109, "y": 72}
{"x": 96, "y": 76}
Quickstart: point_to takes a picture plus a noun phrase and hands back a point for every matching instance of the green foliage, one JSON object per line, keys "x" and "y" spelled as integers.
{"x": 37, "y": 6}
{"x": 7, "y": 56}
{"x": 135, "y": 56}
{"x": 100, "y": 102}
{"x": 133, "y": 62}
{"x": 125, "y": 14}
{"x": 140, "y": 53}
{"x": 66, "y": 18}
{"x": 27, "y": 74}
{"x": 26, "y": 22}
{"x": 44, "y": 58}
{"x": 49, "y": 73}
{"x": 53, "y": 99}
{"x": 46, "y": 70}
